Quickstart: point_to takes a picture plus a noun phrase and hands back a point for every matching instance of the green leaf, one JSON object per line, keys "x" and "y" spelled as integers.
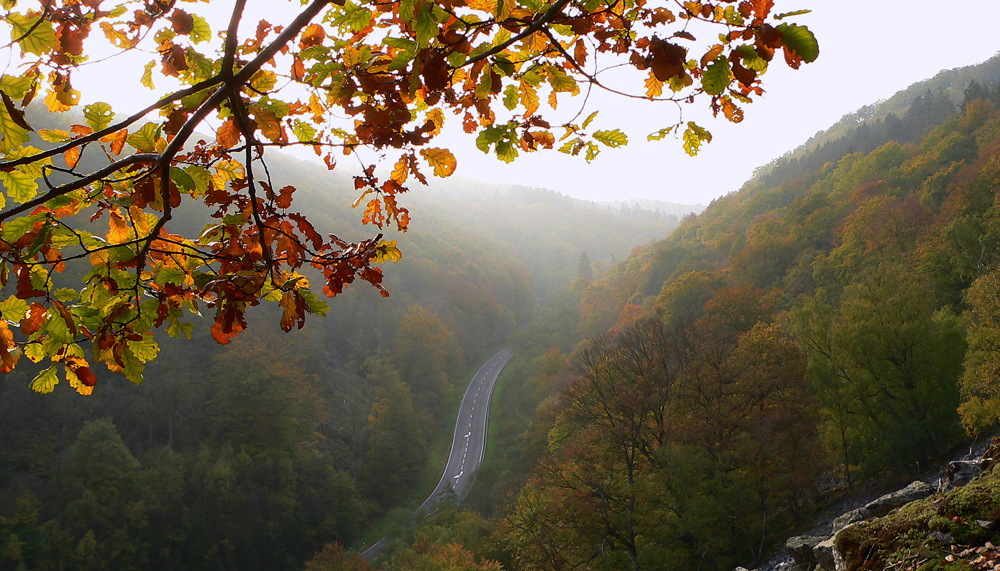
{"x": 98, "y": 115}
{"x": 613, "y": 138}
{"x": 303, "y": 131}
{"x": 715, "y": 80}
{"x": 402, "y": 60}
{"x": 147, "y": 75}
{"x": 165, "y": 276}
{"x": 488, "y": 137}
{"x": 425, "y": 26}
{"x": 13, "y": 308}
{"x": 66, "y": 294}
{"x": 506, "y": 152}
{"x": 800, "y": 40}
{"x": 13, "y": 134}
{"x": 504, "y": 66}
{"x": 357, "y": 18}
{"x": 133, "y": 366}
{"x": 57, "y": 327}
{"x": 42, "y": 38}
{"x": 54, "y": 135}
{"x": 400, "y": 43}
{"x": 40, "y": 278}
{"x": 315, "y": 305}
{"x": 201, "y": 178}
{"x": 485, "y": 85}
{"x": 145, "y": 350}
{"x": 751, "y": 59}
{"x": 17, "y": 86}
{"x": 561, "y": 82}
{"x": 511, "y": 96}
{"x": 145, "y": 138}
{"x": 456, "y": 59}
{"x": 407, "y": 8}
{"x": 177, "y": 329}
{"x": 589, "y": 119}
{"x": 694, "y": 136}
{"x": 790, "y": 14}
{"x": 13, "y": 229}
{"x": 46, "y": 381}
{"x": 35, "y": 352}
{"x": 182, "y": 179}
{"x": 201, "y": 31}
{"x": 18, "y": 185}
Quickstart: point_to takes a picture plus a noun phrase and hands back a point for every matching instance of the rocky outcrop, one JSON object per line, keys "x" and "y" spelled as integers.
{"x": 818, "y": 551}
{"x": 959, "y": 473}
{"x": 802, "y": 550}
{"x": 827, "y": 555}
{"x": 877, "y": 508}
{"x": 824, "y": 554}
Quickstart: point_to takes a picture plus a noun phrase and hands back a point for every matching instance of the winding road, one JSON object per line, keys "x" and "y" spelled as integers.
{"x": 468, "y": 443}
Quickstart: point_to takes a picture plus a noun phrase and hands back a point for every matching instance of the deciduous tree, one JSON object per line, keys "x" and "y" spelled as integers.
{"x": 340, "y": 77}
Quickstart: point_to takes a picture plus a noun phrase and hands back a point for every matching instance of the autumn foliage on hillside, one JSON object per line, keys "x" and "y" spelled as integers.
{"x": 835, "y": 329}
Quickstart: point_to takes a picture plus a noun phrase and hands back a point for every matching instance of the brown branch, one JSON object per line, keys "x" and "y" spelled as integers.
{"x": 113, "y": 128}
{"x": 80, "y": 183}
{"x": 535, "y": 26}
{"x": 45, "y": 12}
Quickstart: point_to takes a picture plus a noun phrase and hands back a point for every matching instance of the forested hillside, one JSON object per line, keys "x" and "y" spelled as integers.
{"x": 842, "y": 323}
{"x": 255, "y": 454}
{"x": 829, "y": 326}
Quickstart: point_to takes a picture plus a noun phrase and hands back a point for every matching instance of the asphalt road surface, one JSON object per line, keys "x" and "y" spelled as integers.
{"x": 468, "y": 443}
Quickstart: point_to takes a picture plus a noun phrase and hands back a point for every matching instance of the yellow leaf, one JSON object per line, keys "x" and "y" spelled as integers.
{"x": 441, "y": 159}
{"x": 72, "y": 157}
{"x": 536, "y": 42}
{"x": 436, "y": 116}
{"x": 118, "y": 228}
{"x": 654, "y": 87}
{"x": 142, "y": 223}
{"x": 504, "y": 8}
{"x": 55, "y": 105}
{"x": 74, "y": 381}
{"x": 710, "y": 56}
{"x": 401, "y": 171}
{"x": 529, "y": 98}
{"x": 489, "y": 6}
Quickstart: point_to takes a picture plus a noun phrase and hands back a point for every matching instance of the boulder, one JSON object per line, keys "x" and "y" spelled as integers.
{"x": 877, "y": 508}
{"x": 801, "y": 549}
{"x": 959, "y": 473}
{"x": 827, "y": 555}
{"x": 844, "y": 520}
{"x": 916, "y": 491}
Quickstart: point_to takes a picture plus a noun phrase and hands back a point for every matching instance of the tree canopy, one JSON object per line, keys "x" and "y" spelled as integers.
{"x": 341, "y": 77}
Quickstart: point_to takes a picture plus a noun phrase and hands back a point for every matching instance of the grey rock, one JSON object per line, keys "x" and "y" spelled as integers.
{"x": 940, "y": 537}
{"x": 827, "y": 555}
{"x": 960, "y": 473}
{"x": 801, "y": 549}
{"x": 885, "y": 504}
{"x": 916, "y": 491}
{"x": 844, "y": 520}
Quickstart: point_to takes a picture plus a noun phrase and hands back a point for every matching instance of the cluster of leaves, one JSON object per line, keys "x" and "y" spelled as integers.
{"x": 394, "y": 69}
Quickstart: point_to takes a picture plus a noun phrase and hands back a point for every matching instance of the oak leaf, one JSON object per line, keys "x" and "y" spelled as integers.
{"x": 441, "y": 159}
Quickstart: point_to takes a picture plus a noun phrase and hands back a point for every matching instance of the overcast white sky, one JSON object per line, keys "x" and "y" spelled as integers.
{"x": 869, "y": 49}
